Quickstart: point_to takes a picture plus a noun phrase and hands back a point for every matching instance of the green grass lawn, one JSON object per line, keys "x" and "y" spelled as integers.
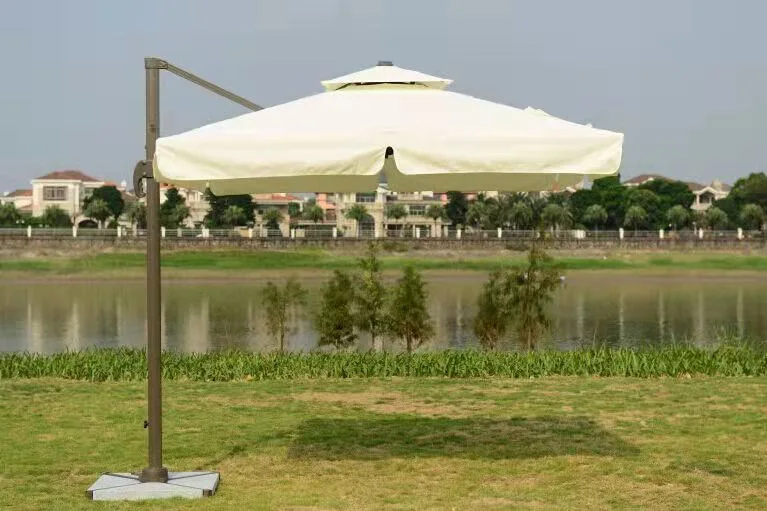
{"x": 222, "y": 262}
{"x": 403, "y": 443}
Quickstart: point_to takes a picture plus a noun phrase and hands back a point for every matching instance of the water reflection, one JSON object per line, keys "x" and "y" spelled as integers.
{"x": 617, "y": 310}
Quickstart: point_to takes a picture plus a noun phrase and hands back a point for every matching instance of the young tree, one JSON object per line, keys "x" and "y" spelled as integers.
{"x": 678, "y": 216}
{"x": 636, "y": 216}
{"x": 272, "y": 218}
{"x": 113, "y": 198}
{"x": 137, "y": 214}
{"x": 493, "y": 310}
{"x": 752, "y": 217}
{"x": 435, "y": 212}
{"x": 370, "y": 297}
{"x": 335, "y": 319}
{"x": 98, "y": 210}
{"x": 9, "y": 215}
{"x": 397, "y": 212}
{"x": 233, "y": 216}
{"x": 715, "y": 218}
{"x": 54, "y": 216}
{"x": 595, "y": 215}
{"x": 277, "y": 305}
{"x": 357, "y": 212}
{"x": 520, "y": 216}
{"x": 456, "y": 208}
{"x": 532, "y": 290}
{"x": 408, "y": 316}
{"x": 314, "y": 213}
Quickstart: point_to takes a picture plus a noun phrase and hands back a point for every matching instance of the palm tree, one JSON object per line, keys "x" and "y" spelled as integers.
{"x": 678, "y": 216}
{"x": 556, "y": 217}
{"x": 635, "y": 217}
{"x": 595, "y": 215}
{"x": 233, "y": 216}
{"x": 357, "y": 212}
{"x": 520, "y": 215}
{"x": 272, "y": 218}
{"x": 397, "y": 212}
{"x": 435, "y": 212}
{"x": 752, "y": 216}
{"x": 314, "y": 213}
{"x": 478, "y": 213}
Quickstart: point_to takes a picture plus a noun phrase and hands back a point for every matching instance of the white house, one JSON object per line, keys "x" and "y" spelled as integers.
{"x": 66, "y": 189}
{"x": 22, "y": 199}
{"x": 705, "y": 195}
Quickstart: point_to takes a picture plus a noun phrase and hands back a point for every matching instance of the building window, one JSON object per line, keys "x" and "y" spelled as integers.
{"x": 365, "y": 197}
{"x": 54, "y": 193}
{"x": 417, "y": 210}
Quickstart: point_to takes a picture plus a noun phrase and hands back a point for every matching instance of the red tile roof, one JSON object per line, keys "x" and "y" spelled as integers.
{"x": 70, "y": 175}
{"x": 693, "y": 186}
{"x": 277, "y": 197}
{"x": 643, "y": 178}
{"x": 20, "y": 193}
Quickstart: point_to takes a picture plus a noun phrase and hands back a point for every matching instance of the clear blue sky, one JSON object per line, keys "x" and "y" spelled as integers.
{"x": 685, "y": 80}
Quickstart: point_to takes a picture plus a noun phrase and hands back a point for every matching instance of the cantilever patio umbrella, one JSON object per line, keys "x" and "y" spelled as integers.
{"x": 382, "y": 119}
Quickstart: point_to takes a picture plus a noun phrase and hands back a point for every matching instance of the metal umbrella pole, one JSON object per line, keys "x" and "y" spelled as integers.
{"x": 119, "y": 486}
{"x": 154, "y": 472}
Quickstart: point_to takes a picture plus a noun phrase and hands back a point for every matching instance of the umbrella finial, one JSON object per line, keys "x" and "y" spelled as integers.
{"x": 385, "y": 63}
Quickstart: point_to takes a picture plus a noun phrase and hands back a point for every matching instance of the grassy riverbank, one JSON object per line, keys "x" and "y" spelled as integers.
{"x": 130, "y": 364}
{"x": 212, "y": 263}
{"x": 400, "y": 443}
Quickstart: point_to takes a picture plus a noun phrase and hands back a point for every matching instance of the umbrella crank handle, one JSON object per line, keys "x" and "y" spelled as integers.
{"x": 146, "y": 424}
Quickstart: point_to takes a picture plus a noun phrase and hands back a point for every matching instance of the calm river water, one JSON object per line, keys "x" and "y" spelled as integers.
{"x": 617, "y": 310}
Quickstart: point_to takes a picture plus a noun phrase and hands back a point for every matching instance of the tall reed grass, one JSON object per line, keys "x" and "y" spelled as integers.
{"x": 130, "y": 364}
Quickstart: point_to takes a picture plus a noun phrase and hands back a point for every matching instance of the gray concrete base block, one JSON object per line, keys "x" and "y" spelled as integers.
{"x": 124, "y": 486}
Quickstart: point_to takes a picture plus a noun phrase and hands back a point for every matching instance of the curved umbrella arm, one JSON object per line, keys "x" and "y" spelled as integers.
{"x": 142, "y": 171}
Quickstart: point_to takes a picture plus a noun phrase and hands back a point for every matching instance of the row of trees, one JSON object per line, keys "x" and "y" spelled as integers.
{"x": 658, "y": 204}
{"x": 357, "y": 303}
{"x": 512, "y": 301}
{"x": 395, "y": 212}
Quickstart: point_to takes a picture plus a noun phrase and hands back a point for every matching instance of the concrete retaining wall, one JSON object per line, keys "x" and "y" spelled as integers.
{"x": 424, "y": 244}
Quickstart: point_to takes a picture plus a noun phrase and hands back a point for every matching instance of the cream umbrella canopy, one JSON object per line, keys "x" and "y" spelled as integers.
{"x": 339, "y": 140}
